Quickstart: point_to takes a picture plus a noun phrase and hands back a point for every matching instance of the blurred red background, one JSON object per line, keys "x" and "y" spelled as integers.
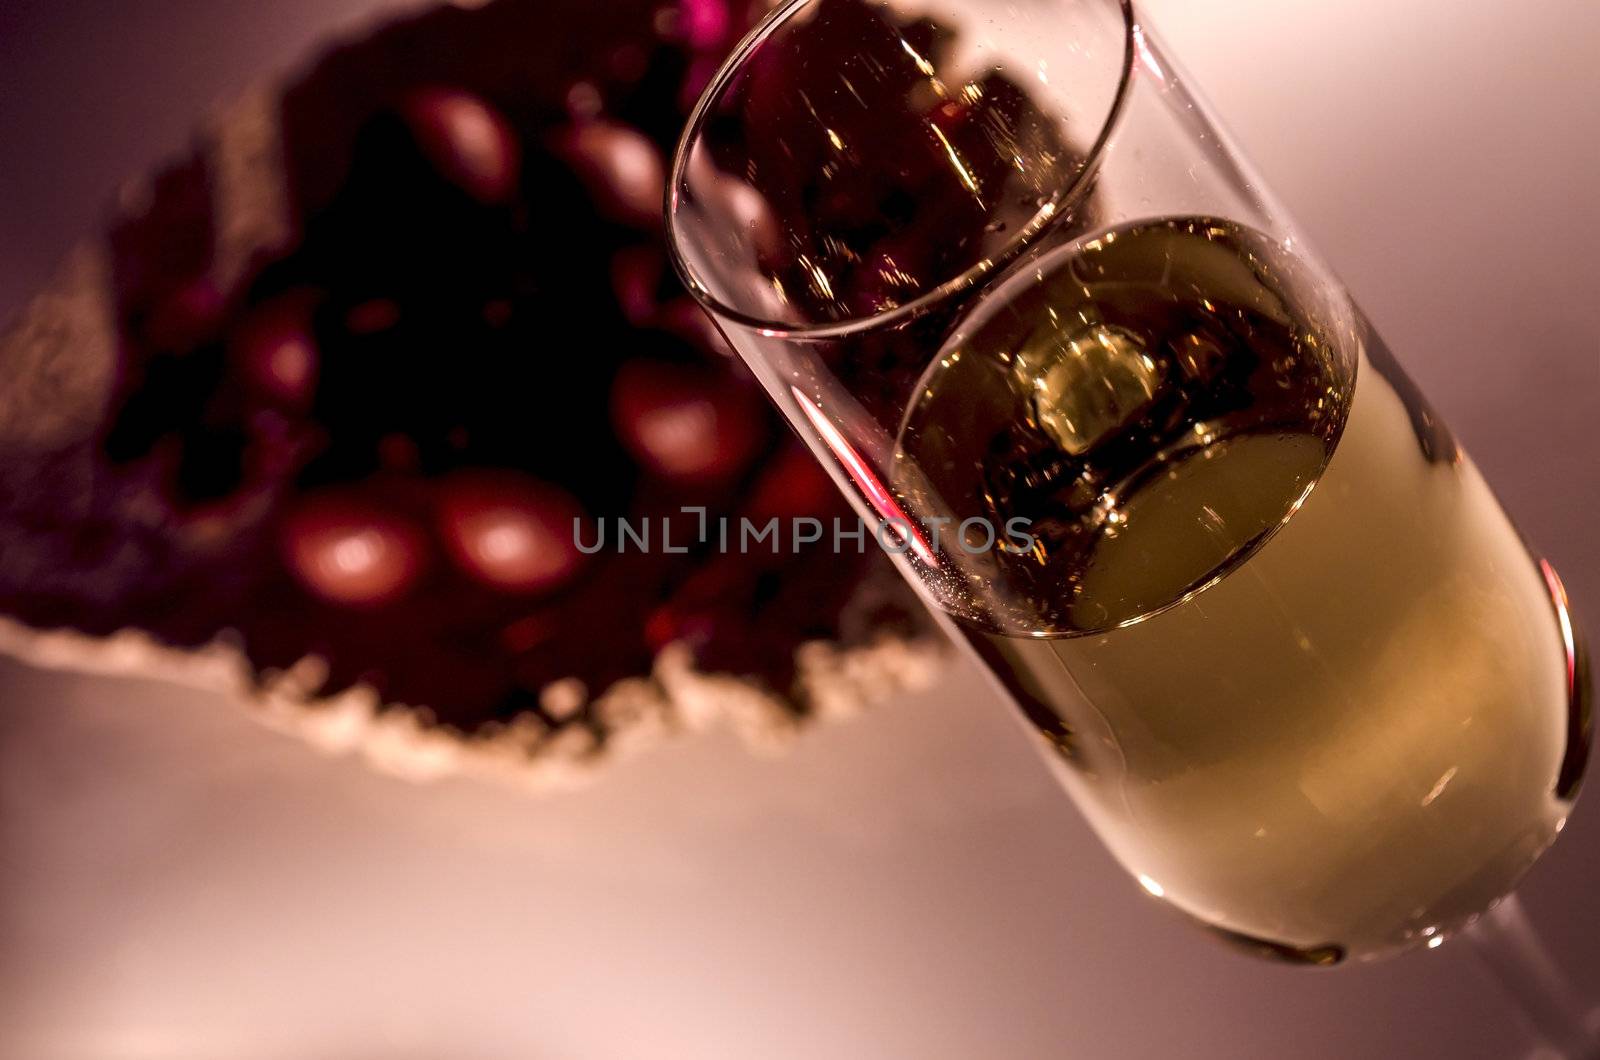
{"x": 179, "y": 883}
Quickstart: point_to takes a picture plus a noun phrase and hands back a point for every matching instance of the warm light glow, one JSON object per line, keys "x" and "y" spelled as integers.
{"x": 1145, "y": 55}
{"x": 358, "y": 553}
{"x": 503, "y": 542}
{"x": 1558, "y": 593}
{"x": 1152, "y": 886}
{"x": 922, "y": 64}
{"x": 1439, "y": 787}
{"x": 955, "y": 160}
{"x": 680, "y": 435}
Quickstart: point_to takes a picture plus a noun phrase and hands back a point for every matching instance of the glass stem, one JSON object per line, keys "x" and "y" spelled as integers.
{"x": 1510, "y": 950}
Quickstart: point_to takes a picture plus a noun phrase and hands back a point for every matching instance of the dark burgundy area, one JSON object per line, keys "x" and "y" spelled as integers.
{"x": 374, "y": 447}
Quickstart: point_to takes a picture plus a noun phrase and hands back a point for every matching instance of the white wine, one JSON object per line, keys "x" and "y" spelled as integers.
{"x": 1288, "y": 653}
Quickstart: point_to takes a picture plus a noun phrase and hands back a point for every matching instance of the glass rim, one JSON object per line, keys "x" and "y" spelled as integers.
{"x": 1050, "y": 211}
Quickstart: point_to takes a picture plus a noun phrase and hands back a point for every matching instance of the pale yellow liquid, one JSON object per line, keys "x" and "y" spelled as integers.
{"x": 1350, "y": 739}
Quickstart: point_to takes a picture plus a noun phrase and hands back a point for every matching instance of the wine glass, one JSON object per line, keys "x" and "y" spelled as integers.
{"x": 1135, "y": 446}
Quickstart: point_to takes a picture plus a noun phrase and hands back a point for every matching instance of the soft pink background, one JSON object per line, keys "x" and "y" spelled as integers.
{"x": 178, "y": 883}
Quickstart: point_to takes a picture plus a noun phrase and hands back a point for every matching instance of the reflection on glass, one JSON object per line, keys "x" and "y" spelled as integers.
{"x": 1284, "y": 647}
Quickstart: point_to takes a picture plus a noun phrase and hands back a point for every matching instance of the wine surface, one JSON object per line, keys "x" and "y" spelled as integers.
{"x": 1292, "y": 659}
